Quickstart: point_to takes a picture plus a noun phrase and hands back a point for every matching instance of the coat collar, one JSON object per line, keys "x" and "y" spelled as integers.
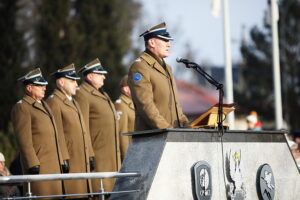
{"x": 29, "y": 99}
{"x": 90, "y": 89}
{"x": 64, "y": 98}
{"x": 154, "y": 62}
{"x": 127, "y": 100}
{"x": 160, "y": 61}
{"x": 35, "y": 104}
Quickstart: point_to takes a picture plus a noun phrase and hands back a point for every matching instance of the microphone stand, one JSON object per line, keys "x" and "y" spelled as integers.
{"x": 219, "y": 87}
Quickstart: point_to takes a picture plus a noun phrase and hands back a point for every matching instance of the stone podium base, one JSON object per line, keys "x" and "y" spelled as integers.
{"x": 179, "y": 164}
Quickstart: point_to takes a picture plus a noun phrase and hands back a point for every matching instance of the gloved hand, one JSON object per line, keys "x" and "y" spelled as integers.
{"x": 34, "y": 170}
{"x": 92, "y": 163}
{"x": 65, "y": 167}
{"x": 186, "y": 124}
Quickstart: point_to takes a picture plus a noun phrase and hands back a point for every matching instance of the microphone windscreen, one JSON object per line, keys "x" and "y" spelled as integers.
{"x": 178, "y": 59}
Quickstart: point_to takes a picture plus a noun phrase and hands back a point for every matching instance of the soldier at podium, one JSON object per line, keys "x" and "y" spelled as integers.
{"x": 153, "y": 86}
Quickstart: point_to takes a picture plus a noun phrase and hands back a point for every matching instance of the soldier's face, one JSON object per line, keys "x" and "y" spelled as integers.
{"x": 69, "y": 86}
{"x": 36, "y": 91}
{"x": 97, "y": 80}
{"x": 160, "y": 47}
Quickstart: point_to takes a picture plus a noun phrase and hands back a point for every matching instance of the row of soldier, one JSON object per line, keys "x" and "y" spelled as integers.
{"x": 77, "y": 130}
{"x": 69, "y": 132}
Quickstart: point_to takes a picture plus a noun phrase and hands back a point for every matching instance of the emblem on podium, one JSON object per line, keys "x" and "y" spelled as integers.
{"x": 265, "y": 182}
{"x": 236, "y": 187}
{"x": 201, "y": 176}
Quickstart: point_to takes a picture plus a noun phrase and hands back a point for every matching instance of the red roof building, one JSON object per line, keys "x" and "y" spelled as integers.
{"x": 195, "y": 99}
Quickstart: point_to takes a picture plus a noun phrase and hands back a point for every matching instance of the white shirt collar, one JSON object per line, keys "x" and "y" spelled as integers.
{"x": 69, "y": 97}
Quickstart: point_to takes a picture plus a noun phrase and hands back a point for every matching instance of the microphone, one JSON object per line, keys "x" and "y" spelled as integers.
{"x": 188, "y": 63}
{"x": 182, "y": 60}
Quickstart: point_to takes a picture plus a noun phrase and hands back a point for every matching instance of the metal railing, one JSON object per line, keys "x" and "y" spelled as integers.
{"x": 71, "y": 176}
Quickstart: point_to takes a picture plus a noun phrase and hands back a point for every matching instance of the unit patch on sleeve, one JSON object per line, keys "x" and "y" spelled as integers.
{"x": 137, "y": 77}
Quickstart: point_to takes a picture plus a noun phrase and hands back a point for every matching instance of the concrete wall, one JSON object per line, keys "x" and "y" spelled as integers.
{"x": 165, "y": 159}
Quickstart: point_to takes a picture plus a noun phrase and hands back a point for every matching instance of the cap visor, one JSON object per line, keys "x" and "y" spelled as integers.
{"x": 40, "y": 83}
{"x": 100, "y": 71}
{"x": 72, "y": 77}
{"x": 165, "y": 37}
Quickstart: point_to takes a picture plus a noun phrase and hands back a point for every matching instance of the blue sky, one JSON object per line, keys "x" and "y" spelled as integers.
{"x": 190, "y": 22}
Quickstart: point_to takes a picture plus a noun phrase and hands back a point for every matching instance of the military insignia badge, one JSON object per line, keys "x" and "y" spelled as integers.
{"x": 202, "y": 185}
{"x": 137, "y": 77}
{"x": 236, "y": 186}
{"x": 265, "y": 183}
{"x": 119, "y": 113}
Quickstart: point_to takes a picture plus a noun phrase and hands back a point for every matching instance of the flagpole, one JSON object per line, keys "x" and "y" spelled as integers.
{"x": 228, "y": 64}
{"x": 276, "y": 65}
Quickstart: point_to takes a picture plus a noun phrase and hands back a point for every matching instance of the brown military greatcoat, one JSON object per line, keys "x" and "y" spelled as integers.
{"x": 126, "y": 115}
{"x": 100, "y": 117}
{"x": 70, "y": 125}
{"x": 37, "y": 137}
{"x": 154, "y": 94}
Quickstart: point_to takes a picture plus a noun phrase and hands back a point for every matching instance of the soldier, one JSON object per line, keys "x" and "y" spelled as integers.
{"x": 100, "y": 118}
{"x": 36, "y": 135}
{"x": 152, "y": 84}
{"x": 71, "y": 128}
{"x": 126, "y": 115}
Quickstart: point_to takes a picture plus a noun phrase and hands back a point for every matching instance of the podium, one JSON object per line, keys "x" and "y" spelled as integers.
{"x": 209, "y": 119}
{"x": 233, "y": 166}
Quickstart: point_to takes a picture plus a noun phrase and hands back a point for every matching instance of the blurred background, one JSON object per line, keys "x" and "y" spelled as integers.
{"x": 52, "y": 34}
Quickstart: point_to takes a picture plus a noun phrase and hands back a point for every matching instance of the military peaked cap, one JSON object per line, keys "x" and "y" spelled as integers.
{"x": 158, "y": 31}
{"x": 93, "y": 67}
{"x": 66, "y": 72}
{"x": 33, "y": 77}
